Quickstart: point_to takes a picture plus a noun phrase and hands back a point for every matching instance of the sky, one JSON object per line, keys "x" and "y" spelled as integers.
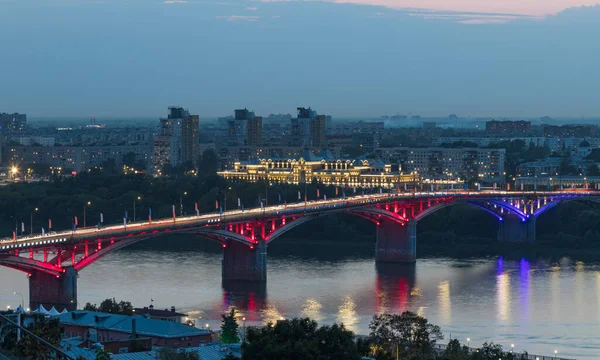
{"x": 347, "y": 58}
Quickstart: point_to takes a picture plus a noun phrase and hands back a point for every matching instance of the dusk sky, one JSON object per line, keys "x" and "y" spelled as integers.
{"x": 345, "y": 57}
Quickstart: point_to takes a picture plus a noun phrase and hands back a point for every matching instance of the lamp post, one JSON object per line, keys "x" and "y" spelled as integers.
{"x": 181, "y": 203}
{"x": 244, "y": 334}
{"x": 84, "y": 214}
{"x": 22, "y": 299}
{"x": 555, "y": 353}
{"x": 134, "y": 201}
{"x": 31, "y": 221}
{"x": 468, "y": 342}
{"x": 512, "y": 348}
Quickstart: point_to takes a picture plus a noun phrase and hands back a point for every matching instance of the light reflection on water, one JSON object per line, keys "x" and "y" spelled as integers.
{"x": 535, "y": 305}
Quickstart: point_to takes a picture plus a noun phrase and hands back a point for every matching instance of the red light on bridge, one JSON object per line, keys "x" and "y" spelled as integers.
{"x": 377, "y": 223}
{"x": 224, "y": 246}
{"x": 143, "y": 233}
{"x": 154, "y": 231}
{"x": 128, "y": 235}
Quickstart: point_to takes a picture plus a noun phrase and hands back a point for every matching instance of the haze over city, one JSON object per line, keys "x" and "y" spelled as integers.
{"x": 134, "y": 58}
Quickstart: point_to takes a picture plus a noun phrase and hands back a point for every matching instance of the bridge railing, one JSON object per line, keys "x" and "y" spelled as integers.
{"x": 310, "y": 206}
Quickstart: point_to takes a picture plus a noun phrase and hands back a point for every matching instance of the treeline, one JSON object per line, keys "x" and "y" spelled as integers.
{"x": 392, "y": 336}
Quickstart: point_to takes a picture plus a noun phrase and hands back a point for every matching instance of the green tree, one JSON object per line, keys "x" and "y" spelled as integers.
{"x": 407, "y": 335}
{"x": 454, "y": 351}
{"x": 299, "y": 339}
{"x": 229, "y": 328}
{"x": 593, "y": 170}
{"x": 31, "y": 348}
{"x": 111, "y": 306}
{"x": 489, "y": 351}
{"x": 103, "y": 355}
{"x": 208, "y": 163}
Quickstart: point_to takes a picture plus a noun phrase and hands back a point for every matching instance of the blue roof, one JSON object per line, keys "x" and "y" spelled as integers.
{"x": 209, "y": 352}
{"x": 123, "y": 323}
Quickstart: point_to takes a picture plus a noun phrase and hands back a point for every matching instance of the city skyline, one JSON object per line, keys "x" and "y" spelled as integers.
{"x": 349, "y": 60}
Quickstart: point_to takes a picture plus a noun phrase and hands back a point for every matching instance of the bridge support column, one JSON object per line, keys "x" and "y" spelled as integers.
{"x": 513, "y": 229}
{"x": 396, "y": 243}
{"x": 51, "y": 291}
{"x": 241, "y": 263}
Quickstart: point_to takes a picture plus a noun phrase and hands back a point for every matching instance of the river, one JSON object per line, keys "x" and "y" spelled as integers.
{"x": 536, "y": 305}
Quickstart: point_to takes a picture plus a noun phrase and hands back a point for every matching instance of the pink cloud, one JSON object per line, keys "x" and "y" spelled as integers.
{"x": 533, "y": 8}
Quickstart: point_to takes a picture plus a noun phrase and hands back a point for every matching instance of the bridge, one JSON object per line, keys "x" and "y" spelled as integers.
{"x": 53, "y": 260}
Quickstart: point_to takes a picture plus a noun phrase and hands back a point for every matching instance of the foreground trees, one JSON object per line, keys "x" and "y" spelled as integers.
{"x": 300, "y": 339}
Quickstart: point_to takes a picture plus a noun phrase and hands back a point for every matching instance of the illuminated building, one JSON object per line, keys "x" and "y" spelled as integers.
{"x": 322, "y": 168}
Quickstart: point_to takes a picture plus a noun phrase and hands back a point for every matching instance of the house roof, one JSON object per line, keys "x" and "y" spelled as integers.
{"x": 157, "y": 312}
{"x": 123, "y": 323}
{"x": 209, "y": 352}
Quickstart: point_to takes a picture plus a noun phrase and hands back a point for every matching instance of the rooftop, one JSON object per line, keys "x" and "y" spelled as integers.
{"x": 123, "y": 323}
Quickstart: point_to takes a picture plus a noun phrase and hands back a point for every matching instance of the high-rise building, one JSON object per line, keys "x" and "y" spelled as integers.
{"x": 190, "y": 139}
{"x": 10, "y": 123}
{"x": 171, "y": 131}
{"x": 318, "y": 137}
{"x": 254, "y": 128}
{"x": 310, "y": 129}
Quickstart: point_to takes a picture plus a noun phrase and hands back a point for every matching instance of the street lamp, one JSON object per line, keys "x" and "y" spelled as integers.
{"x": 31, "y": 221}
{"x": 22, "y": 300}
{"x": 134, "y": 201}
{"x": 555, "y": 353}
{"x": 244, "y": 336}
{"x": 181, "y": 203}
{"x": 14, "y": 170}
{"x": 468, "y": 342}
{"x": 84, "y": 215}
{"x": 512, "y": 348}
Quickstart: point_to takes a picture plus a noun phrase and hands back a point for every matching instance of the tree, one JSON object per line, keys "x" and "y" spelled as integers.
{"x": 297, "y": 339}
{"x": 111, "y": 306}
{"x": 166, "y": 353}
{"x": 489, "y": 351}
{"x": 454, "y": 351}
{"x": 102, "y": 355}
{"x": 208, "y": 162}
{"x": 30, "y": 347}
{"x": 229, "y": 328}
{"x": 593, "y": 170}
{"x": 407, "y": 335}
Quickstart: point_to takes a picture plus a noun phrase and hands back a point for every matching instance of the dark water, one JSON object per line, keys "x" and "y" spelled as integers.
{"x": 537, "y": 306}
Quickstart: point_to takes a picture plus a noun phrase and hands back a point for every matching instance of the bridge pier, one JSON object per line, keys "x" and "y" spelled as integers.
{"x": 52, "y": 291}
{"x": 396, "y": 243}
{"x": 513, "y": 229}
{"x": 240, "y": 262}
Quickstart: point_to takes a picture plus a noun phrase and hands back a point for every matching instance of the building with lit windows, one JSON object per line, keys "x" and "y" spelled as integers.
{"x": 449, "y": 163}
{"x": 323, "y": 168}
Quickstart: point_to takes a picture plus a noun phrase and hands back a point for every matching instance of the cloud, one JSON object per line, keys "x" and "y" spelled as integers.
{"x": 232, "y": 18}
{"x": 251, "y": 8}
{"x": 175, "y": 1}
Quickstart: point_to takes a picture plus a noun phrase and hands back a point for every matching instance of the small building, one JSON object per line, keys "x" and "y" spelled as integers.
{"x": 104, "y": 327}
{"x": 150, "y": 312}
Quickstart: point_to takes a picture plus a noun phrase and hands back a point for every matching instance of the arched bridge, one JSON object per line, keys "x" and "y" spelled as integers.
{"x": 53, "y": 260}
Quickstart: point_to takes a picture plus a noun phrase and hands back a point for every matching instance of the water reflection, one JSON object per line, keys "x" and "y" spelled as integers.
{"x": 271, "y": 314}
{"x": 312, "y": 309}
{"x": 503, "y": 296}
{"x": 246, "y": 296}
{"x": 444, "y": 301}
{"x": 395, "y": 284}
{"x": 525, "y": 288}
{"x": 347, "y": 313}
